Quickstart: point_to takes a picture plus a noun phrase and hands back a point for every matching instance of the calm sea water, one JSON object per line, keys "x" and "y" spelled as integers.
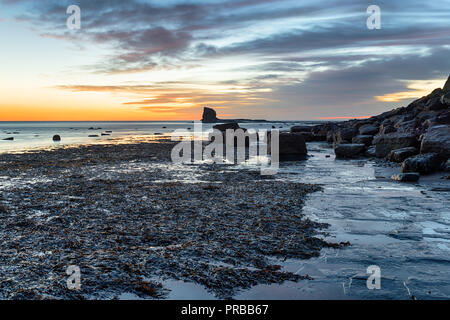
{"x": 38, "y": 135}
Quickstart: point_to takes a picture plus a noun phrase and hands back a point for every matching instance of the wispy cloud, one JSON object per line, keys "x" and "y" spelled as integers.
{"x": 271, "y": 58}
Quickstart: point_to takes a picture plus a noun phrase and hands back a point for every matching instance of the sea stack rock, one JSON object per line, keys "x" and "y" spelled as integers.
{"x": 209, "y": 115}
{"x": 56, "y": 138}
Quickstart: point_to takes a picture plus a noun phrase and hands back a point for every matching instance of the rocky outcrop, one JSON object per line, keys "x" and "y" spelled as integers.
{"x": 399, "y": 155}
{"x": 56, "y": 138}
{"x": 9, "y": 139}
{"x": 385, "y": 143}
{"x": 422, "y": 163}
{"x": 447, "y": 85}
{"x": 437, "y": 139}
{"x": 349, "y": 151}
{"x": 209, "y": 115}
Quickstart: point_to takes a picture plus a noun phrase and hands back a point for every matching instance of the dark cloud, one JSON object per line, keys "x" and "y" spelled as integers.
{"x": 326, "y": 60}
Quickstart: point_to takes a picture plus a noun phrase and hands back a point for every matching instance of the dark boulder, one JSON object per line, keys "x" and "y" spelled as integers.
{"x": 9, "y": 139}
{"x": 423, "y": 163}
{"x": 388, "y": 128}
{"x": 225, "y": 126}
{"x": 385, "y": 143}
{"x": 399, "y": 155}
{"x": 349, "y": 150}
{"x": 301, "y": 129}
{"x": 345, "y": 135}
{"x": 406, "y": 177}
{"x": 209, "y": 115}
{"x": 437, "y": 139}
{"x": 56, "y": 137}
{"x": 368, "y": 129}
{"x": 364, "y": 139}
{"x": 445, "y": 99}
{"x": 292, "y": 146}
{"x": 370, "y": 152}
{"x": 443, "y": 118}
{"x": 446, "y": 166}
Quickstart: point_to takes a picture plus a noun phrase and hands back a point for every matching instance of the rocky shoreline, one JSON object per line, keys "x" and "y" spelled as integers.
{"x": 129, "y": 218}
{"x": 418, "y": 136}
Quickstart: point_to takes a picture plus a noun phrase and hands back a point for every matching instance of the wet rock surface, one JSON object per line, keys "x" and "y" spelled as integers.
{"x": 130, "y": 219}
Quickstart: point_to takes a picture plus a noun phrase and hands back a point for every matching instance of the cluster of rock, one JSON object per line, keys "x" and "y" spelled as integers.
{"x": 418, "y": 136}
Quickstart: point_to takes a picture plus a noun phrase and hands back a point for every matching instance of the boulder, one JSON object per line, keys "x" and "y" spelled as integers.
{"x": 408, "y": 126}
{"x": 319, "y": 137}
{"x": 368, "y": 129}
{"x": 56, "y": 137}
{"x": 406, "y": 177}
{"x": 423, "y": 163}
{"x": 209, "y": 115}
{"x": 445, "y": 99}
{"x": 301, "y": 129}
{"x": 225, "y": 126}
{"x": 292, "y": 146}
{"x": 399, "y": 155}
{"x": 345, "y": 135}
{"x": 446, "y": 166}
{"x": 370, "y": 152}
{"x": 437, "y": 139}
{"x": 385, "y": 143}
{"x": 9, "y": 139}
{"x": 349, "y": 150}
{"x": 230, "y": 126}
{"x": 443, "y": 118}
{"x": 364, "y": 139}
{"x": 388, "y": 128}
{"x": 308, "y": 136}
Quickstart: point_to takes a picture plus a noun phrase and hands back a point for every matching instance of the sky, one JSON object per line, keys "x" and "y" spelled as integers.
{"x": 166, "y": 60}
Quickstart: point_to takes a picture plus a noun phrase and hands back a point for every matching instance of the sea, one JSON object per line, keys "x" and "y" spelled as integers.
{"x": 39, "y": 135}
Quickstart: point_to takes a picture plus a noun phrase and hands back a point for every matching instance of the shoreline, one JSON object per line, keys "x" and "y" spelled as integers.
{"x": 126, "y": 216}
